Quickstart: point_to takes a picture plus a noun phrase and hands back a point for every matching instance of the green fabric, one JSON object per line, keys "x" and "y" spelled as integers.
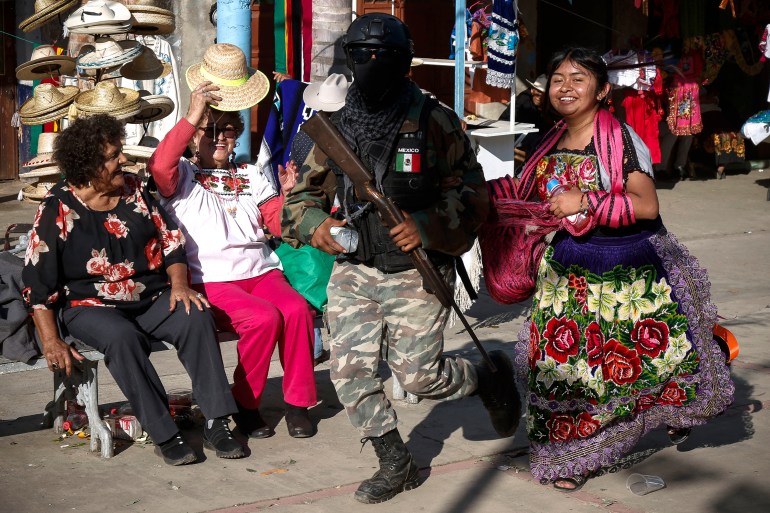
{"x": 308, "y": 270}
{"x": 279, "y": 31}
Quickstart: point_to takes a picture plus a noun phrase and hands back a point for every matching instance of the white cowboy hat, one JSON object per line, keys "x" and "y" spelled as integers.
{"x": 143, "y": 150}
{"x": 37, "y": 173}
{"x": 45, "y": 11}
{"x": 45, "y": 63}
{"x": 98, "y": 12}
{"x": 539, "y": 83}
{"x": 327, "y": 96}
{"x": 44, "y": 150}
{"x": 153, "y": 107}
{"x": 108, "y": 53}
{"x": 224, "y": 64}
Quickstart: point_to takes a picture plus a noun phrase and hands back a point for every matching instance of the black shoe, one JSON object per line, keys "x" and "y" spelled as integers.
{"x": 298, "y": 422}
{"x": 176, "y": 451}
{"x": 678, "y": 436}
{"x": 323, "y": 357}
{"x": 217, "y": 436}
{"x": 398, "y": 472}
{"x": 683, "y": 175}
{"x": 251, "y": 424}
{"x": 499, "y": 394}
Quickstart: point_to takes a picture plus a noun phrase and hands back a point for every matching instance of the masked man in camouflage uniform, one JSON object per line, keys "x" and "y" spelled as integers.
{"x": 377, "y": 305}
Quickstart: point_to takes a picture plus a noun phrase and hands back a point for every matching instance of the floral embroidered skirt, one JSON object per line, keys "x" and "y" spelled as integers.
{"x": 619, "y": 342}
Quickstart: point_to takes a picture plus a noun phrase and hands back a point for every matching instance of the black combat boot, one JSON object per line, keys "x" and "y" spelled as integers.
{"x": 397, "y": 473}
{"x": 499, "y": 394}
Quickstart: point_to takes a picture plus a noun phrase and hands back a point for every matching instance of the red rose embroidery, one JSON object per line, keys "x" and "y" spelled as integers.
{"x": 562, "y": 337}
{"x": 650, "y": 337}
{"x": 560, "y": 428}
{"x": 621, "y": 364}
{"x": 153, "y": 254}
{"x": 534, "y": 345}
{"x": 119, "y": 272}
{"x": 672, "y": 394}
{"x": 115, "y": 226}
{"x": 645, "y": 402}
{"x": 98, "y": 264}
{"x": 594, "y": 344}
{"x": 120, "y": 291}
{"x": 586, "y": 425}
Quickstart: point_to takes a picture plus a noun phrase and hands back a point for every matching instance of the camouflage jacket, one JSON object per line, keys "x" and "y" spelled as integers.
{"x": 448, "y": 226}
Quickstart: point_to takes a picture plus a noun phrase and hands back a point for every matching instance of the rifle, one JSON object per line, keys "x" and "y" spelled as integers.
{"x": 333, "y": 144}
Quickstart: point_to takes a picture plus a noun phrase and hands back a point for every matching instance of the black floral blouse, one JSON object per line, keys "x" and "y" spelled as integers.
{"x": 116, "y": 258}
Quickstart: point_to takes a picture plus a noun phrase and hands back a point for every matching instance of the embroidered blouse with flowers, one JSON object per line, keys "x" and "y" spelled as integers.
{"x": 116, "y": 258}
{"x": 220, "y": 211}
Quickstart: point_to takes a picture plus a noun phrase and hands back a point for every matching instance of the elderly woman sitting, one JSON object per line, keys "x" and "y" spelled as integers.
{"x": 105, "y": 253}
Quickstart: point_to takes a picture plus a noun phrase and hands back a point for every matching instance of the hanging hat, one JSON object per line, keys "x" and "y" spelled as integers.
{"x": 107, "y": 98}
{"x": 150, "y": 18}
{"x": 327, "y": 96}
{"x": 45, "y": 11}
{"x": 539, "y": 83}
{"x": 44, "y": 150}
{"x": 143, "y": 150}
{"x": 153, "y": 107}
{"x": 47, "y": 101}
{"x": 41, "y": 174}
{"x": 146, "y": 66}
{"x": 45, "y": 63}
{"x": 108, "y": 53}
{"x": 91, "y": 72}
{"x": 36, "y": 192}
{"x": 224, "y": 64}
{"x": 99, "y": 17}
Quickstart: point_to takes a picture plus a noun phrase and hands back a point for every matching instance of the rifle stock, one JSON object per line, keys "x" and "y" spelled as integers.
{"x": 333, "y": 144}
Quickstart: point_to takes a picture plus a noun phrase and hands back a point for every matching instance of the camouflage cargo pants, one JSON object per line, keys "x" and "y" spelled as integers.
{"x": 373, "y": 315}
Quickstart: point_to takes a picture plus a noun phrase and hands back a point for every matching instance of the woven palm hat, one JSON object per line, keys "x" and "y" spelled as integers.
{"x": 46, "y": 99}
{"x": 146, "y": 66}
{"x": 36, "y": 192}
{"x": 108, "y": 53}
{"x": 107, "y": 98}
{"x": 98, "y": 13}
{"x": 45, "y": 11}
{"x": 91, "y": 72}
{"x": 44, "y": 150}
{"x": 41, "y": 174}
{"x": 49, "y": 117}
{"x": 150, "y": 17}
{"x": 224, "y": 64}
{"x": 153, "y": 107}
{"x": 327, "y": 96}
{"x": 106, "y": 29}
{"x": 44, "y": 63}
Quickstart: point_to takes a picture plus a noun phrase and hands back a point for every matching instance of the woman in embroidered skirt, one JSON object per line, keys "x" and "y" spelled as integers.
{"x": 222, "y": 208}
{"x": 620, "y": 338}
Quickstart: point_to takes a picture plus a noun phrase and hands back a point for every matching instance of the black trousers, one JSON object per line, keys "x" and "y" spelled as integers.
{"x": 125, "y": 338}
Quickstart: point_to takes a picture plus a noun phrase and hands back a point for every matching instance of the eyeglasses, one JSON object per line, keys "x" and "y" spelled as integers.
{"x": 212, "y": 132}
{"x": 362, "y": 54}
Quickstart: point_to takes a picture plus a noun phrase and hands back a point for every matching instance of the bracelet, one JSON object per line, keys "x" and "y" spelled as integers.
{"x": 583, "y": 210}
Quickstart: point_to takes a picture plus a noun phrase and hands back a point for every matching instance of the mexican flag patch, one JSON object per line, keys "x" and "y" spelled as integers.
{"x": 408, "y": 162}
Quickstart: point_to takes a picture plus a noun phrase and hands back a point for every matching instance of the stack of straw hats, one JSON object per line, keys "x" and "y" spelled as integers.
{"x": 42, "y": 172}
{"x": 99, "y": 17}
{"x": 151, "y": 17}
{"x": 108, "y": 98}
{"x": 240, "y": 86}
{"x": 48, "y": 103}
{"x": 45, "y": 63}
{"x": 45, "y": 11}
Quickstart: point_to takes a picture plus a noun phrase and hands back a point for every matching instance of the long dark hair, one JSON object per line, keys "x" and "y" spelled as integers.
{"x": 586, "y": 58}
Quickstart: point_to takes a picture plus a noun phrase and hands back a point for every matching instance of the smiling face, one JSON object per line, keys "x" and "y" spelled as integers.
{"x": 215, "y": 138}
{"x": 110, "y": 176}
{"x": 574, "y": 92}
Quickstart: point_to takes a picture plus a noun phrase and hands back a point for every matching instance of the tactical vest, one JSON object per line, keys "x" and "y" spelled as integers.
{"x": 411, "y": 183}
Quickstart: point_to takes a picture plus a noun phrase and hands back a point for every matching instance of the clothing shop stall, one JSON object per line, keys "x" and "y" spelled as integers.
{"x": 110, "y": 57}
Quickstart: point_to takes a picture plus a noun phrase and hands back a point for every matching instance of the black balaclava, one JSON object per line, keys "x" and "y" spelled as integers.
{"x": 379, "y": 78}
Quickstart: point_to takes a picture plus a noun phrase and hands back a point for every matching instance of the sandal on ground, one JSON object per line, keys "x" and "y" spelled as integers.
{"x": 573, "y": 483}
{"x": 677, "y": 436}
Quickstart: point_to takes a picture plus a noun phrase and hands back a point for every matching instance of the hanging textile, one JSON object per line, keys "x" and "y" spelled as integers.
{"x": 307, "y": 38}
{"x": 715, "y": 55}
{"x": 644, "y": 113}
{"x": 734, "y": 48}
{"x": 279, "y": 35}
{"x": 684, "y": 109}
{"x": 723, "y": 5}
{"x": 757, "y": 127}
{"x": 668, "y": 10}
{"x": 692, "y": 18}
{"x": 764, "y": 45}
{"x": 502, "y": 44}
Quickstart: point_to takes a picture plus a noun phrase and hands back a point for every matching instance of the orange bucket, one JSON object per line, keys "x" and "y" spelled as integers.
{"x": 727, "y": 342}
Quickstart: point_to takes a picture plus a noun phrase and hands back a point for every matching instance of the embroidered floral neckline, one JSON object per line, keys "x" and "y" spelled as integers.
{"x": 225, "y": 184}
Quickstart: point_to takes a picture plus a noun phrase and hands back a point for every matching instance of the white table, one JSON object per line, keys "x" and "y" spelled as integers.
{"x": 494, "y": 142}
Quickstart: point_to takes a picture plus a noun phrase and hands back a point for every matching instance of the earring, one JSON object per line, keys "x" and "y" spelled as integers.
{"x": 237, "y": 143}
{"x": 197, "y": 155}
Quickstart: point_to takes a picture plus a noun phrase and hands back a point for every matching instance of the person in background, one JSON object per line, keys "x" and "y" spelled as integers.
{"x": 104, "y": 253}
{"x": 377, "y": 304}
{"x": 620, "y": 336}
{"x": 530, "y": 108}
{"x": 222, "y": 208}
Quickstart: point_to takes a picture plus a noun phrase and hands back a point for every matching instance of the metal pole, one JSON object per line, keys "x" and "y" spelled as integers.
{"x": 234, "y": 27}
{"x": 460, "y": 57}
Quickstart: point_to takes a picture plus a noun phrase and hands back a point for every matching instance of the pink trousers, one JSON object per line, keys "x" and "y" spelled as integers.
{"x": 265, "y": 311}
